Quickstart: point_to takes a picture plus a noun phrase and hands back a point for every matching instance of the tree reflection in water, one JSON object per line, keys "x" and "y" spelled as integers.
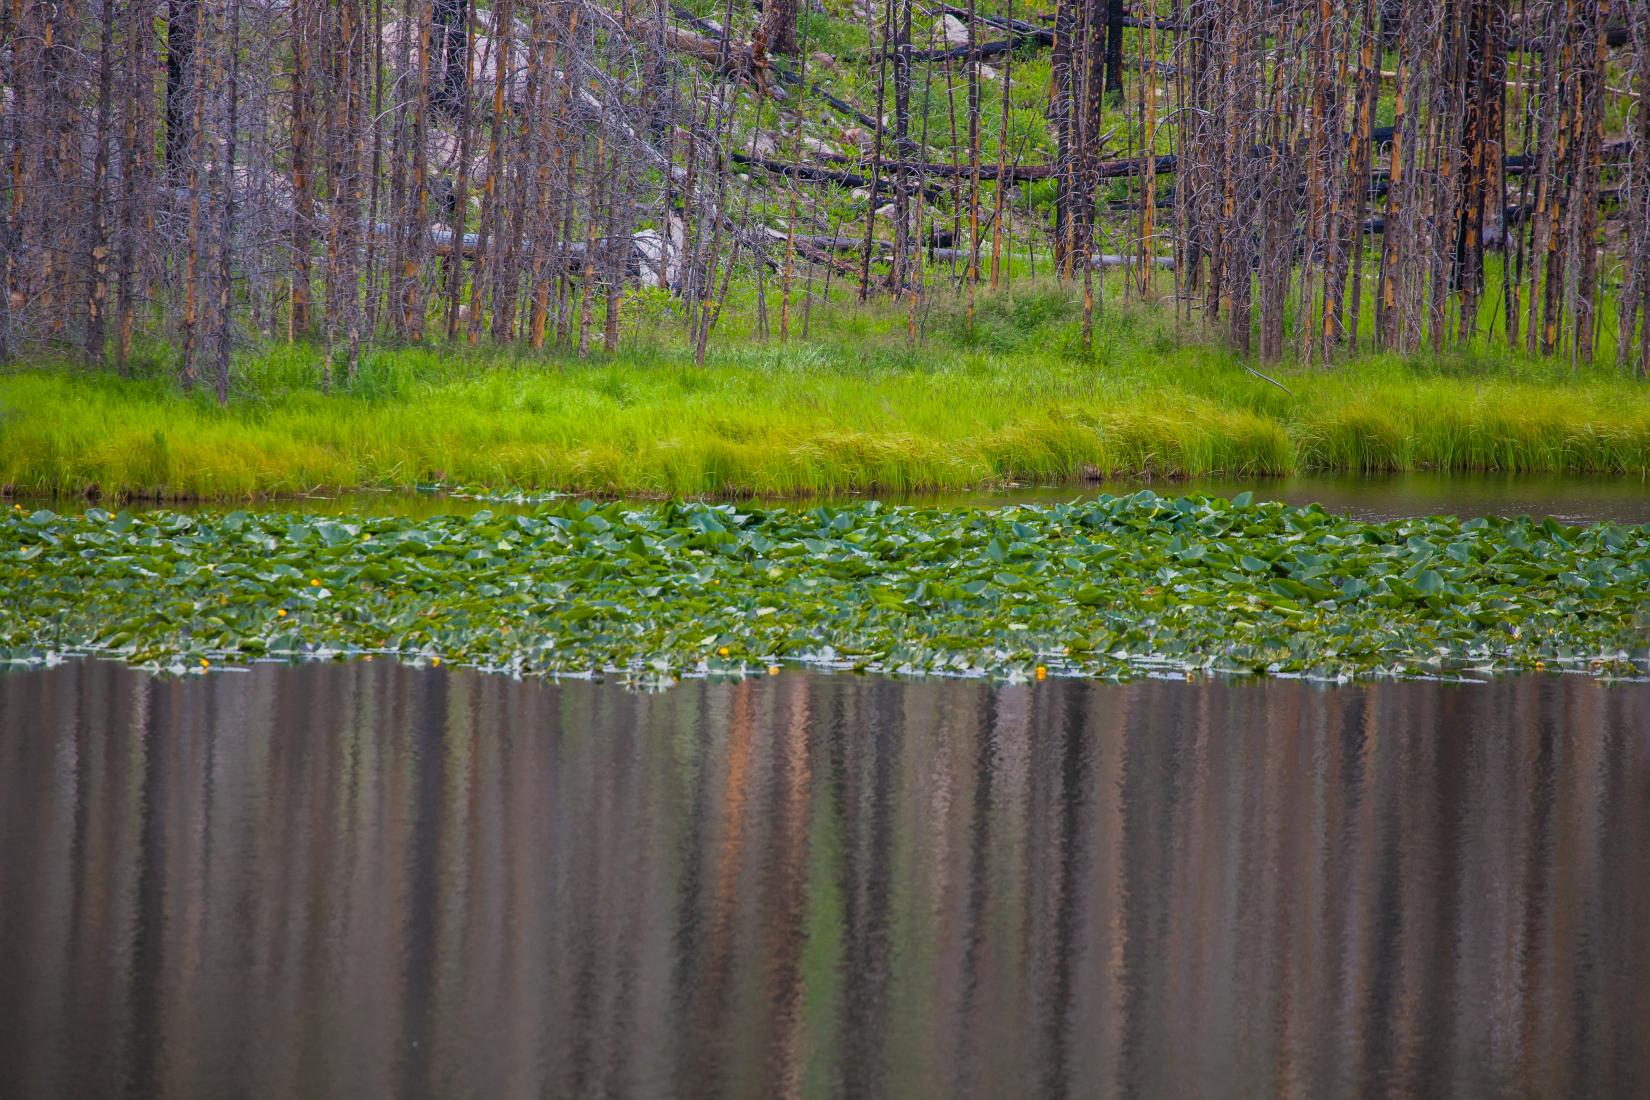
{"x": 365, "y": 879}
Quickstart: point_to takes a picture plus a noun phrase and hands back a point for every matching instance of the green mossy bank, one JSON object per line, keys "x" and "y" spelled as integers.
{"x": 859, "y": 413}
{"x": 1115, "y": 587}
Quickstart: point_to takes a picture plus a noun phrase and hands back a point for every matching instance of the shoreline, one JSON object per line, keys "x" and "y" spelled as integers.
{"x": 648, "y": 428}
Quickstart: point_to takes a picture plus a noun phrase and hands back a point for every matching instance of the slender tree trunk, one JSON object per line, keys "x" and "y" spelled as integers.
{"x": 1114, "y": 48}
{"x": 973, "y": 272}
{"x": 226, "y": 246}
{"x": 451, "y": 29}
{"x": 11, "y": 143}
{"x": 97, "y": 245}
{"x": 456, "y": 101}
{"x": 489, "y": 268}
{"x": 1392, "y": 239}
{"x": 375, "y": 109}
{"x": 899, "y": 274}
{"x": 1590, "y": 149}
{"x": 412, "y": 290}
{"x": 196, "y": 156}
{"x": 587, "y": 277}
{"x": 138, "y": 93}
{"x": 1001, "y": 187}
{"x": 303, "y": 195}
{"x": 876, "y": 167}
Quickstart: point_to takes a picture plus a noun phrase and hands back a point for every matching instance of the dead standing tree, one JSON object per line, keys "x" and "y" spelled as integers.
{"x": 393, "y": 166}
{"x": 1634, "y": 310}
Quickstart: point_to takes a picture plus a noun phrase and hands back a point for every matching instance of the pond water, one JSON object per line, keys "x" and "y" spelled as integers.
{"x": 1570, "y": 499}
{"x": 365, "y": 879}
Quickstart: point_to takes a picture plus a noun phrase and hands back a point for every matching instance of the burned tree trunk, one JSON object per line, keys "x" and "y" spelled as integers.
{"x": 226, "y": 242}
{"x": 97, "y": 243}
{"x": 182, "y": 33}
{"x": 778, "y": 27}
{"x": 303, "y": 200}
{"x": 1114, "y": 49}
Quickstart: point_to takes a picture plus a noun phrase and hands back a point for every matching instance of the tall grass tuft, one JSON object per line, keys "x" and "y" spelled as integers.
{"x": 856, "y": 409}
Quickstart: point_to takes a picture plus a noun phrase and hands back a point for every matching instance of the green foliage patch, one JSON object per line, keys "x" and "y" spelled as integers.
{"x": 1115, "y": 587}
{"x": 856, "y": 410}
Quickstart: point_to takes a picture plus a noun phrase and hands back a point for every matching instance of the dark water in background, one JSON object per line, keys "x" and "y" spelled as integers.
{"x": 1373, "y": 497}
{"x": 366, "y": 880}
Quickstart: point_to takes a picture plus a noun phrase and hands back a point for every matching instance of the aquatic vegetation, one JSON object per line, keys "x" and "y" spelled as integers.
{"x": 1114, "y": 587}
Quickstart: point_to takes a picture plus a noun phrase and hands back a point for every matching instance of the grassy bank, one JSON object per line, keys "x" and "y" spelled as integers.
{"x": 1112, "y": 587}
{"x": 857, "y": 411}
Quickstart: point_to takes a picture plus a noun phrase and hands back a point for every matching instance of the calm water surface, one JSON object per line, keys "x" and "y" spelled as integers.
{"x": 1378, "y": 497}
{"x": 366, "y": 880}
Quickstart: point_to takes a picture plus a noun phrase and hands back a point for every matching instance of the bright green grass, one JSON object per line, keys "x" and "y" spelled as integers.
{"x": 852, "y": 410}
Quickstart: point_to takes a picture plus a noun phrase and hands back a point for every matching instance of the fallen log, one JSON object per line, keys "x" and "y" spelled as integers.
{"x": 798, "y": 171}
{"x": 937, "y": 170}
{"x": 714, "y": 33}
{"x": 930, "y": 170}
{"x": 744, "y": 61}
{"x": 1019, "y": 34}
{"x": 1099, "y": 261}
{"x": 996, "y": 47}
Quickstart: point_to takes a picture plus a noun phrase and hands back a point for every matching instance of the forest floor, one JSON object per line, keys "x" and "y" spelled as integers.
{"x": 1015, "y": 398}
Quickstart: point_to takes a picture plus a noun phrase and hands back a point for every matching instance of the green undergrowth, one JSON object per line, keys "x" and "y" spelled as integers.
{"x": 1012, "y": 397}
{"x": 1116, "y": 587}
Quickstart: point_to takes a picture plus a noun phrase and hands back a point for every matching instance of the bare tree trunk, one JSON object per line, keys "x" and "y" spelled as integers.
{"x": 303, "y": 194}
{"x": 617, "y": 245}
{"x": 778, "y": 28}
{"x": 226, "y": 247}
{"x": 1393, "y": 239}
{"x": 487, "y": 268}
{"x": 1083, "y": 68}
{"x": 972, "y": 275}
{"x": 1001, "y": 186}
{"x": 788, "y": 275}
{"x": 182, "y": 33}
{"x": 451, "y": 21}
{"x": 1114, "y": 48}
{"x": 197, "y": 156}
{"x": 1148, "y": 156}
{"x": 876, "y": 168}
{"x": 1590, "y": 144}
{"x": 97, "y": 244}
{"x": 899, "y": 273}
{"x": 137, "y": 94}
{"x": 1633, "y": 311}
{"x": 587, "y": 277}
{"x": 412, "y": 252}
{"x": 375, "y": 111}
{"x": 1238, "y": 177}
{"x": 545, "y": 154}
{"x": 10, "y": 139}
{"x": 1063, "y": 110}
{"x": 455, "y": 100}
